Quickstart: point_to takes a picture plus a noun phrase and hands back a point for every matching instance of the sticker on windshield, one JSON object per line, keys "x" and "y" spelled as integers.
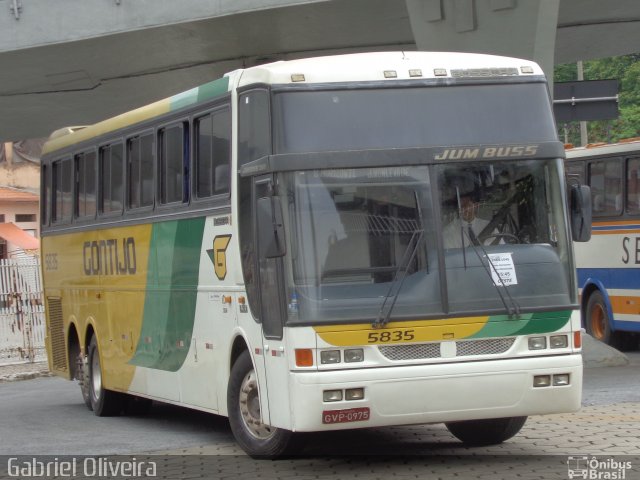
{"x": 503, "y": 271}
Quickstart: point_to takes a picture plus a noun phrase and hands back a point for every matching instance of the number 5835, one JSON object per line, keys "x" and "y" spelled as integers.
{"x": 391, "y": 336}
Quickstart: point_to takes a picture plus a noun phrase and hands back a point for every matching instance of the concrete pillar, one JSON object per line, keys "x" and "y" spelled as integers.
{"x": 514, "y": 28}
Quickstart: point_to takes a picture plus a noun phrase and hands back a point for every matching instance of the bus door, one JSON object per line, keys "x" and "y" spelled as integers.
{"x": 270, "y": 243}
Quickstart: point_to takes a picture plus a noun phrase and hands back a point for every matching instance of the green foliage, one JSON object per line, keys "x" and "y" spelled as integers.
{"x": 626, "y": 69}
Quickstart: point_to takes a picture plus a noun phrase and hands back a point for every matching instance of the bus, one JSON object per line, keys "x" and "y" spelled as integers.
{"x": 269, "y": 247}
{"x": 608, "y": 276}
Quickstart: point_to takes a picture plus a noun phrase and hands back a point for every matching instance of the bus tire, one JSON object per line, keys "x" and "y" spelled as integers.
{"x": 491, "y": 431}
{"x": 82, "y": 368}
{"x": 254, "y": 437}
{"x": 105, "y": 403}
{"x": 137, "y": 406}
{"x": 598, "y": 323}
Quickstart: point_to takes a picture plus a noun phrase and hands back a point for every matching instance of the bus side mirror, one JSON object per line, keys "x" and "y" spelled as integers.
{"x": 270, "y": 228}
{"x": 580, "y": 204}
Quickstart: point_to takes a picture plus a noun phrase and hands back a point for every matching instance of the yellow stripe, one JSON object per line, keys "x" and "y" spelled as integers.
{"x": 110, "y": 125}
{"x": 613, "y": 232}
{"x": 113, "y": 304}
{"x": 401, "y": 332}
{"x": 625, "y": 305}
{"x": 618, "y": 222}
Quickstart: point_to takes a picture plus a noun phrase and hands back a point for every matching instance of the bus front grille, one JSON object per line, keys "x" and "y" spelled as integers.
{"x": 464, "y": 348}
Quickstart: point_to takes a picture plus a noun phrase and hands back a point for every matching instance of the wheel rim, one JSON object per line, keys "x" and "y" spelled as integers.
{"x": 250, "y": 408}
{"x": 96, "y": 375}
{"x": 598, "y": 321}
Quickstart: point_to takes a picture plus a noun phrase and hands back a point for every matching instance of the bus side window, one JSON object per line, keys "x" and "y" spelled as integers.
{"x": 633, "y": 186}
{"x": 85, "y": 193}
{"x": 213, "y": 153}
{"x": 140, "y": 160}
{"x": 111, "y": 178}
{"x": 173, "y": 166}
{"x": 62, "y": 191}
{"x": 45, "y": 194}
{"x": 605, "y": 179}
{"x": 254, "y": 142}
{"x": 575, "y": 173}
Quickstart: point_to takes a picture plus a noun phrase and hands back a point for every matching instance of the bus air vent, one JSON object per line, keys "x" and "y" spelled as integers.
{"x": 56, "y": 332}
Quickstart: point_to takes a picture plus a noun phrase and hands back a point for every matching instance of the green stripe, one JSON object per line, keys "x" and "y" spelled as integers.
{"x": 525, "y": 324}
{"x": 170, "y": 301}
{"x": 199, "y": 94}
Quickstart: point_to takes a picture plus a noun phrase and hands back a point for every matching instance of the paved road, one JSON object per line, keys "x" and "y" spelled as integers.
{"x": 47, "y": 416}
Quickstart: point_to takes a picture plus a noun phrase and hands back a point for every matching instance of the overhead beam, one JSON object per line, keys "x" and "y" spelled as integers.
{"x": 514, "y": 28}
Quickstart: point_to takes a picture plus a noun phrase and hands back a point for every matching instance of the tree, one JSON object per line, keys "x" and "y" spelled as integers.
{"x": 626, "y": 69}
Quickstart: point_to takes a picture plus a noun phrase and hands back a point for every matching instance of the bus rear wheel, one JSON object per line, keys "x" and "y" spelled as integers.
{"x": 105, "y": 403}
{"x": 486, "y": 432}
{"x": 82, "y": 374}
{"x": 243, "y": 402}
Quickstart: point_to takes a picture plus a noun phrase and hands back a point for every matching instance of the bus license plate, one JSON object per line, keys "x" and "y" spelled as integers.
{"x": 344, "y": 416}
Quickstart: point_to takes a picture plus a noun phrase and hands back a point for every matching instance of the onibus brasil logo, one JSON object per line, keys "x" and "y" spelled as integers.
{"x": 594, "y": 468}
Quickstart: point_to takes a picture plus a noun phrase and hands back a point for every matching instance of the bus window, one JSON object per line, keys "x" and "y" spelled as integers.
{"x": 85, "y": 195}
{"x": 45, "y": 204}
{"x": 605, "y": 178}
{"x": 633, "y": 186}
{"x": 575, "y": 173}
{"x": 140, "y": 164}
{"x": 254, "y": 141}
{"x": 213, "y": 141}
{"x": 172, "y": 164}
{"x": 111, "y": 178}
{"x": 62, "y": 183}
{"x": 254, "y": 133}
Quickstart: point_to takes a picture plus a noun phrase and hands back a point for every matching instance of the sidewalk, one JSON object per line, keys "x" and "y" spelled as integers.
{"x": 23, "y": 371}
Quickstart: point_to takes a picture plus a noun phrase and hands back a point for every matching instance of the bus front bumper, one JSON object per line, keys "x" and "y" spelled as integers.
{"x": 434, "y": 393}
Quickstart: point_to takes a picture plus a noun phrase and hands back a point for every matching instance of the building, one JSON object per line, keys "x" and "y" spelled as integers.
{"x": 19, "y": 199}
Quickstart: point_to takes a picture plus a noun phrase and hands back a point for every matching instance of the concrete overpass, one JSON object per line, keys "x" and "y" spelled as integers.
{"x": 68, "y": 62}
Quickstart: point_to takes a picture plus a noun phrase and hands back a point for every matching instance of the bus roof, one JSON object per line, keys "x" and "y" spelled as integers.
{"x": 364, "y": 67}
{"x": 596, "y": 150}
{"x": 382, "y": 66}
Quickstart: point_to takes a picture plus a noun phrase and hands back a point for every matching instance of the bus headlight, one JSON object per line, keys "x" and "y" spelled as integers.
{"x": 542, "y": 380}
{"x": 354, "y": 355}
{"x": 354, "y": 394}
{"x": 561, "y": 380}
{"x": 537, "y": 343}
{"x": 558, "y": 341}
{"x": 332, "y": 395}
{"x": 330, "y": 356}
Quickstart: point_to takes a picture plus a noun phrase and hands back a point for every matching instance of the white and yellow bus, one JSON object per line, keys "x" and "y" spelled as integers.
{"x": 269, "y": 247}
{"x": 608, "y": 275}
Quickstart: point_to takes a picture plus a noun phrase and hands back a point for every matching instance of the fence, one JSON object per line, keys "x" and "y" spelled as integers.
{"x": 22, "y": 319}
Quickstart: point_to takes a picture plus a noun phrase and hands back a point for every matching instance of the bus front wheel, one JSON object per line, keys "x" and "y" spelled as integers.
{"x": 105, "y": 403}
{"x": 597, "y": 319}
{"x": 486, "y": 432}
{"x": 243, "y": 402}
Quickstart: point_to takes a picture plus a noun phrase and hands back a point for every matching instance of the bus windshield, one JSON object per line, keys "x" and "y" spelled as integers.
{"x": 358, "y": 119}
{"x": 358, "y": 236}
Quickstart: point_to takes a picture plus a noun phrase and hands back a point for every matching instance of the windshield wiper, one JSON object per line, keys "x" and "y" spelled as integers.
{"x": 514, "y": 309}
{"x": 403, "y": 266}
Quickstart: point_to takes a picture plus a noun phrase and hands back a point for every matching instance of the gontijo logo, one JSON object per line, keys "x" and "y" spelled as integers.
{"x": 109, "y": 257}
{"x": 218, "y": 255}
